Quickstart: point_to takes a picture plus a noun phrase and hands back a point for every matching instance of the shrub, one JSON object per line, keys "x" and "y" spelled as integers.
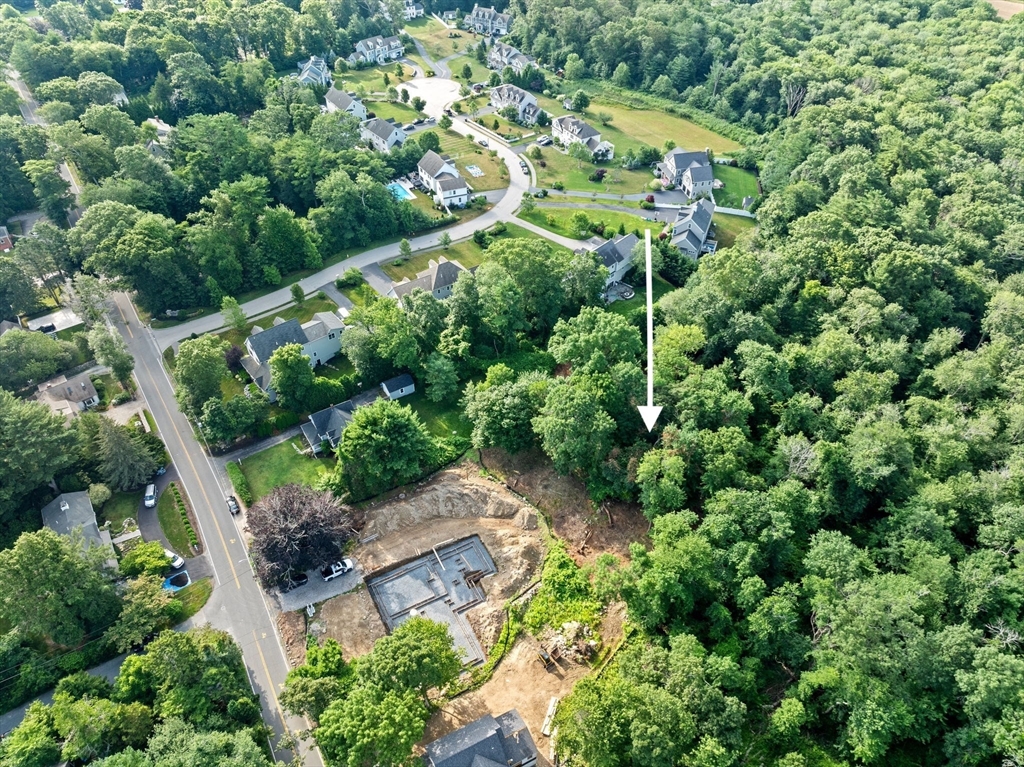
{"x": 351, "y": 278}
{"x": 649, "y": 198}
{"x": 565, "y": 594}
{"x": 598, "y": 175}
{"x": 240, "y": 483}
{"x": 120, "y": 399}
{"x": 558, "y": 185}
{"x": 646, "y": 205}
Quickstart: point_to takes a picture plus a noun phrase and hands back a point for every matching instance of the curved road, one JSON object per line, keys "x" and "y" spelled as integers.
{"x": 438, "y": 93}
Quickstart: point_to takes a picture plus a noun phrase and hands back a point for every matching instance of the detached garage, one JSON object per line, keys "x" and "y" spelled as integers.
{"x": 399, "y": 386}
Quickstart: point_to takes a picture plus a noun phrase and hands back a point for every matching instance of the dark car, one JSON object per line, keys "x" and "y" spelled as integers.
{"x": 294, "y": 581}
{"x": 233, "y": 506}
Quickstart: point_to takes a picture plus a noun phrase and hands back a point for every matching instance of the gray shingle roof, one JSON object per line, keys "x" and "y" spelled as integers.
{"x": 431, "y": 163}
{"x": 502, "y": 740}
{"x": 263, "y": 344}
{"x": 510, "y": 94}
{"x": 681, "y": 159}
{"x": 78, "y": 515}
{"x": 576, "y": 127}
{"x": 77, "y": 389}
{"x": 331, "y": 421}
{"x": 321, "y": 324}
{"x": 700, "y": 173}
{"x": 613, "y": 252}
{"x": 380, "y": 127}
{"x": 448, "y": 184}
{"x": 340, "y": 99}
{"x": 398, "y": 382}
{"x": 405, "y": 288}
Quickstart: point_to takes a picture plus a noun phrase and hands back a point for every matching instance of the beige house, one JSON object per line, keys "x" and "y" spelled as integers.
{"x": 69, "y": 397}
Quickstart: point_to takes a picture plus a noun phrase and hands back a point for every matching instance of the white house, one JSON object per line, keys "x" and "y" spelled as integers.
{"x": 502, "y": 55}
{"x": 412, "y": 10}
{"x": 69, "y": 396}
{"x": 320, "y": 339}
{"x": 382, "y": 134}
{"x": 339, "y": 101}
{"x": 314, "y": 71}
{"x": 399, "y": 386}
{"x": 569, "y": 130}
{"x": 442, "y": 178}
{"x": 450, "y": 16}
{"x": 514, "y": 96}
{"x": 438, "y": 280}
{"x": 377, "y": 50}
{"x": 691, "y": 231}
{"x": 487, "y": 21}
{"x": 691, "y": 172}
{"x": 616, "y": 255}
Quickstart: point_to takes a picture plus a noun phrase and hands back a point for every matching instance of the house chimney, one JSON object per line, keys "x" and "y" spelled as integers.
{"x": 64, "y": 505}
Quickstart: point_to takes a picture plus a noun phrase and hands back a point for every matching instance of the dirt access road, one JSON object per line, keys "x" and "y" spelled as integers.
{"x": 1006, "y": 9}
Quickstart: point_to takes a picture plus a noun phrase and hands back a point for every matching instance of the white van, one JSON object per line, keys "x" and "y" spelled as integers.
{"x": 149, "y": 500}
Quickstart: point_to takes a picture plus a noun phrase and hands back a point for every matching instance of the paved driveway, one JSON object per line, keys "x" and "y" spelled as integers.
{"x": 316, "y": 590}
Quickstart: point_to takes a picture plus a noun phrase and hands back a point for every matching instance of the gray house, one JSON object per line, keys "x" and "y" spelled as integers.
{"x": 569, "y": 130}
{"x": 616, "y": 255}
{"x": 438, "y": 279}
{"x": 339, "y": 101}
{"x": 690, "y": 171}
{"x": 314, "y": 71}
{"x": 73, "y": 511}
{"x": 378, "y": 50}
{"x": 381, "y": 134}
{"x": 691, "y": 231}
{"x": 327, "y": 425}
{"x": 524, "y": 102}
{"x": 487, "y": 21}
{"x": 503, "y": 55}
{"x": 320, "y": 339}
{"x": 490, "y": 741}
{"x": 399, "y": 386}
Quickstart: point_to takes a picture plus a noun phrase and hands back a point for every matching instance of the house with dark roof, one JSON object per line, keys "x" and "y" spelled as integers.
{"x": 524, "y": 102}
{"x": 339, "y": 101}
{"x": 381, "y": 134}
{"x": 377, "y": 50}
{"x": 487, "y": 21}
{"x": 691, "y": 172}
{"x": 615, "y": 255}
{"x": 320, "y": 339}
{"x": 440, "y": 176}
{"x": 692, "y": 231}
{"x": 314, "y": 71}
{"x": 72, "y": 513}
{"x": 569, "y": 130}
{"x": 68, "y": 396}
{"x": 398, "y": 387}
{"x": 490, "y": 741}
{"x": 438, "y": 279}
{"x": 502, "y": 55}
{"x": 6, "y": 241}
{"x": 6, "y": 325}
{"x": 326, "y": 426}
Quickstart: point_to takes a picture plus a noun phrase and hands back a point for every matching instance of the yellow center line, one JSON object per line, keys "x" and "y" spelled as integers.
{"x": 125, "y": 321}
{"x": 202, "y": 489}
{"x": 270, "y": 681}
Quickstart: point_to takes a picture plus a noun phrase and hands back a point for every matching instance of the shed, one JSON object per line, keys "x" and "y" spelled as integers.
{"x": 399, "y": 386}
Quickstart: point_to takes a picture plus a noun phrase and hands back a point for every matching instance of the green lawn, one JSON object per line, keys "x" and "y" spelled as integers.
{"x": 302, "y": 312}
{"x": 336, "y": 368}
{"x": 120, "y": 507}
{"x": 442, "y": 419}
{"x": 360, "y": 295}
{"x": 639, "y": 301}
{"x": 194, "y": 596}
{"x": 415, "y": 57}
{"x": 399, "y": 112}
{"x": 466, "y": 152}
{"x": 560, "y": 218}
{"x": 435, "y": 37}
{"x": 172, "y": 524}
{"x": 559, "y": 167}
{"x": 424, "y": 203}
{"x": 728, "y": 228}
{"x": 372, "y": 80}
{"x": 282, "y": 465}
{"x": 481, "y": 74}
{"x": 230, "y": 387}
{"x": 739, "y": 183}
{"x": 467, "y": 253}
{"x": 67, "y": 333}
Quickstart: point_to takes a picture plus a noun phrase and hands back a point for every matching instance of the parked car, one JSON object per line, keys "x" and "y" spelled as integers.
{"x": 233, "y": 506}
{"x": 449, "y": 112}
{"x": 149, "y": 499}
{"x": 544, "y": 140}
{"x": 294, "y": 581}
{"x": 482, "y": 142}
{"x": 526, "y": 170}
{"x": 431, "y": 120}
{"x": 409, "y": 128}
{"x": 176, "y": 561}
{"x": 419, "y": 121}
{"x": 336, "y": 569}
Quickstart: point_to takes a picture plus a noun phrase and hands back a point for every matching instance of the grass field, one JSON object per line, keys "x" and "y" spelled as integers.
{"x": 372, "y": 80}
{"x": 282, "y": 465}
{"x": 639, "y": 301}
{"x": 194, "y": 596}
{"x": 728, "y": 228}
{"x": 120, "y": 507}
{"x": 610, "y": 218}
{"x": 435, "y": 37}
{"x": 418, "y": 60}
{"x": 467, "y": 253}
{"x": 400, "y": 113}
{"x": 562, "y": 168}
{"x": 442, "y": 419}
{"x": 360, "y": 295}
{"x": 466, "y": 152}
{"x": 481, "y": 74}
{"x": 739, "y": 183}
{"x": 302, "y": 312}
{"x": 172, "y": 524}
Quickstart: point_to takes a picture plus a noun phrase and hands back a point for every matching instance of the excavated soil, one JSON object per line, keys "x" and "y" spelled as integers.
{"x": 353, "y": 620}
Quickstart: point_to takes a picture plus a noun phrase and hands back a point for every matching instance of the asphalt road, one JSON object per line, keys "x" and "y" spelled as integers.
{"x": 237, "y": 605}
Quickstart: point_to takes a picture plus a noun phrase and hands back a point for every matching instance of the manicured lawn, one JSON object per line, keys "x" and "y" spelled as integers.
{"x": 728, "y": 228}
{"x": 194, "y": 596}
{"x": 467, "y": 253}
{"x": 562, "y": 168}
{"x": 120, "y": 507}
{"x": 481, "y": 74}
{"x": 442, "y": 419}
{"x": 611, "y": 219}
{"x": 67, "y": 333}
{"x": 283, "y": 465}
{"x": 399, "y": 112}
{"x": 360, "y": 295}
{"x": 639, "y": 301}
{"x": 172, "y": 525}
{"x": 424, "y": 203}
{"x": 372, "y": 80}
{"x": 435, "y": 37}
{"x": 336, "y": 368}
{"x": 466, "y": 152}
{"x": 302, "y": 312}
{"x": 415, "y": 57}
{"x": 230, "y": 387}
{"x": 739, "y": 183}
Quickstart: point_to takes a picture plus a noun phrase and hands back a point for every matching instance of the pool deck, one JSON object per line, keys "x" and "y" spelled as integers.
{"x": 406, "y": 192}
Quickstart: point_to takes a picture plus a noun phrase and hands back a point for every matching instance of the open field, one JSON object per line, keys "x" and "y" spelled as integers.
{"x": 282, "y": 465}
{"x": 560, "y": 167}
{"x": 467, "y": 253}
{"x": 399, "y": 112}
{"x": 372, "y": 80}
{"x": 560, "y": 217}
{"x": 434, "y": 36}
{"x": 466, "y": 152}
{"x": 1006, "y": 9}
{"x": 739, "y": 183}
{"x": 302, "y": 312}
{"x": 728, "y": 228}
{"x": 481, "y": 74}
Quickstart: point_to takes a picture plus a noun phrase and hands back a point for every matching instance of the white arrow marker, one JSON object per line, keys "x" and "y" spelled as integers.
{"x": 650, "y": 411}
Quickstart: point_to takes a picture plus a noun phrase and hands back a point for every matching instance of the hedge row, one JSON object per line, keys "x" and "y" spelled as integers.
{"x": 183, "y": 511}
{"x": 240, "y": 483}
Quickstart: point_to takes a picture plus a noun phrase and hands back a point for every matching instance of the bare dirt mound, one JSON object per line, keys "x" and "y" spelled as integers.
{"x": 352, "y": 619}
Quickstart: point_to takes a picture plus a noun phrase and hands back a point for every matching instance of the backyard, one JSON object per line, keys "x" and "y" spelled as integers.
{"x": 467, "y": 253}
{"x": 560, "y": 168}
{"x": 282, "y": 465}
{"x": 397, "y": 111}
{"x": 435, "y": 37}
{"x": 728, "y": 228}
{"x": 739, "y": 183}
{"x": 467, "y": 152}
{"x": 639, "y": 301}
{"x": 557, "y": 220}
{"x": 120, "y": 507}
{"x": 442, "y": 419}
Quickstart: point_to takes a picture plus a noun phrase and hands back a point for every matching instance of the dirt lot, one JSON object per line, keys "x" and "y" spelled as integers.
{"x": 454, "y": 504}
{"x": 564, "y": 500}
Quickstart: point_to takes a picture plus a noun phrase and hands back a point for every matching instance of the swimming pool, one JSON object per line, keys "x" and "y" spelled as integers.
{"x": 399, "y": 191}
